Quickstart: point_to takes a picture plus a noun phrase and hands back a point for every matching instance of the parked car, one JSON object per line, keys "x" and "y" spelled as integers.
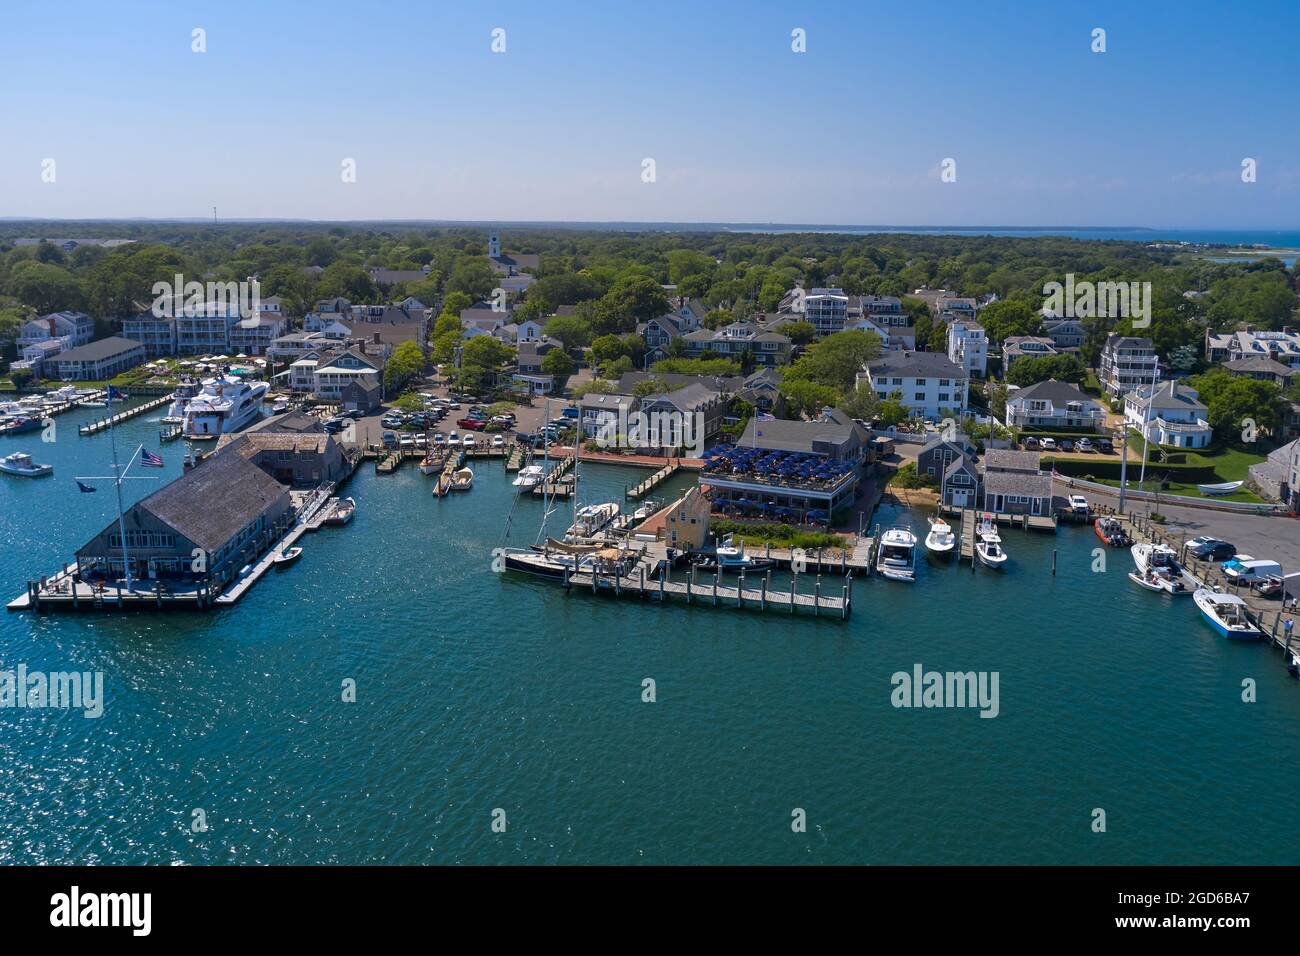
{"x": 473, "y": 424}
{"x": 390, "y": 439}
{"x": 439, "y": 438}
{"x": 498, "y": 441}
{"x": 1048, "y": 444}
{"x": 1210, "y": 549}
{"x": 1079, "y": 504}
{"x": 1105, "y": 446}
{"x": 1084, "y": 444}
{"x": 469, "y": 441}
{"x": 1067, "y": 444}
{"x": 1030, "y": 442}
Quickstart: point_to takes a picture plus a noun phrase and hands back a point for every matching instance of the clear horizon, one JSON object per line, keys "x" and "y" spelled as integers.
{"x": 742, "y": 129}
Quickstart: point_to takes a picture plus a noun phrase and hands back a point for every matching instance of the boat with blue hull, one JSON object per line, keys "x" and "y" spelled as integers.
{"x": 1227, "y": 614}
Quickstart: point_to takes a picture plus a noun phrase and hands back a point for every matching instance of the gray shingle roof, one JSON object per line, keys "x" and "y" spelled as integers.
{"x": 214, "y": 501}
{"x": 95, "y": 351}
{"x": 915, "y": 365}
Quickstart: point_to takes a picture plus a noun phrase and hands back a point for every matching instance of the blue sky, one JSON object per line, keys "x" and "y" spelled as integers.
{"x": 1044, "y": 132}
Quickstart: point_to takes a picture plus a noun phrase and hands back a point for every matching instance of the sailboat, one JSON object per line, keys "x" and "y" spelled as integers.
{"x": 940, "y": 541}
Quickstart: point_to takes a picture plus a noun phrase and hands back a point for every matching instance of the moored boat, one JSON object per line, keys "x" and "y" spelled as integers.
{"x": 462, "y": 479}
{"x": 287, "y": 557}
{"x": 1227, "y": 614}
{"x": 941, "y": 540}
{"x": 589, "y": 520}
{"x": 17, "y": 425}
{"x": 1111, "y": 530}
{"x": 730, "y": 558}
{"x": 343, "y": 512}
{"x": 988, "y": 547}
{"x": 896, "y": 558}
{"x": 529, "y": 477}
{"x": 1161, "y": 562}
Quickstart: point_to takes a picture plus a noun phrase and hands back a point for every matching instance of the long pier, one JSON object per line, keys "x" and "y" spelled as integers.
{"x": 140, "y": 409}
{"x": 711, "y": 591}
{"x": 660, "y": 476}
{"x": 551, "y": 486}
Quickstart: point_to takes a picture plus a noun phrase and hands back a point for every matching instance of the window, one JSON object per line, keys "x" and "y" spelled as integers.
{"x": 920, "y": 396}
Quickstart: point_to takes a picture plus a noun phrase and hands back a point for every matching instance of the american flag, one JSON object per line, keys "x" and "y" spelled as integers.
{"x": 150, "y": 459}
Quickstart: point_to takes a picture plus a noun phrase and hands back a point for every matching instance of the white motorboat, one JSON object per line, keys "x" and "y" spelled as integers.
{"x": 896, "y": 558}
{"x": 940, "y": 540}
{"x": 287, "y": 557}
{"x": 728, "y": 557}
{"x": 1159, "y": 563}
{"x": 988, "y": 547}
{"x": 225, "y": 405}
{"x": 281, "y": 406}
{"x": 1159, "y": 580}
{"x": 21, "y": 464}
{"x": 1227, "y": 614}
{"x": 530, "y": 476}
{"x": 462, "y": 479}
{"x": 186, "y": 390}
{"x": 589, "y": 520}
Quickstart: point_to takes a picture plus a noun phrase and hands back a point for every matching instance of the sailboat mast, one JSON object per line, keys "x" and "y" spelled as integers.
{"x": 1146, "y": 419}
{"x": 117, "y": 486}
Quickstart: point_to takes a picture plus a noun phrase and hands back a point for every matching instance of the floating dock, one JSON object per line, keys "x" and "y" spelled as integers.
{"x": 660, "y": 476}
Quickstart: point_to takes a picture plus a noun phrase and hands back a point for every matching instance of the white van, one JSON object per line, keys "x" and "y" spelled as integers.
{"x": 1249, "y": 572}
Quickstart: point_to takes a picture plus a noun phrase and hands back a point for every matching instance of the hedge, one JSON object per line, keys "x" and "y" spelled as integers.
{"x": 1106, "y": 469}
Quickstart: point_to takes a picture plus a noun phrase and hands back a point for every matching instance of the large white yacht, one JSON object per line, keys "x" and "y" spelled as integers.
{"x": 187, "y": 389}
{"x": 226, "y": 404}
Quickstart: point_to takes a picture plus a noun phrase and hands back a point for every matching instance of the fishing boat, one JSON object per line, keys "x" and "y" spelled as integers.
{"x": 896, "y": 559}
{"x": 287, "y": 557}
{"x": 1222, "y": 488}
{"x": 590, "y": 520}
{"x": 1227, "y": 614}
{"x": 21, "y": 464}
{"x": 1111, "y": 530}
{"x": 529, "y": 477}
{"x": 1159, "y": 562}
{"x": 729, "y": 558}
{"x": 940, "y": 540}
{"x": 462, "y": 479}
{"x": 989, "y": 546}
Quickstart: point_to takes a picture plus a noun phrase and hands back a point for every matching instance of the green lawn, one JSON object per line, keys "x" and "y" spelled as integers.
{"x": 1229, "y": 462}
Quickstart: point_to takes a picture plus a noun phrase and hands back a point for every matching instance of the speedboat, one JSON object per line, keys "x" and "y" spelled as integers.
{"x": 591, "y": 519}
{"x": 1160, "y": 579}
{"x": 530, "y": 476}
{"x": 287, "y": 557}
{"x": 343, "y": 512}
{"x": 281, "y": 406}
{"x": 940, "y": 540}
{"x": 225, "y": 405}
{"x": 896, "y": 559}
{"x": 730, "y": 559}
{"x": 462, "y": 479}
{"x": 1227, "y": 614}
{"x": 1111, "y": 530}
{"x": 21, "y": 464}
{"x": 989, "y": 546}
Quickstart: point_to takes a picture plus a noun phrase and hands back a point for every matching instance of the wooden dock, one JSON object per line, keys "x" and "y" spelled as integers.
{"x": 663, "y": 474}
{"x": 710, "y": 591}
{"x": 515, "y": 460}
{"x": 130, "y": 413}
{"x": 552, "y": 486}
{"x": 169, "y": 433}
{"x": 967, "y": 536}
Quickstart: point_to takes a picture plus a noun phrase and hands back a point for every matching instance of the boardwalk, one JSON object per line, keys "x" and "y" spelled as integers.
{"x": 660, "y": 476}
{"x": 103, "y": 423}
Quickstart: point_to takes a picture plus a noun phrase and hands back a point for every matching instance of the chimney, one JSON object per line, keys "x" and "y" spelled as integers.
{"x": 376, "y": 338}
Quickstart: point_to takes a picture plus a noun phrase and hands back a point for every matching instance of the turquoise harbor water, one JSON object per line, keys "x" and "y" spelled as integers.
{"x": 477, "y": 691}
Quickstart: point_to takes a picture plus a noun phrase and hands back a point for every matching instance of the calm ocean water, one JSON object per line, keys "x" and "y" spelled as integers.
{"x": 477, "y": 691}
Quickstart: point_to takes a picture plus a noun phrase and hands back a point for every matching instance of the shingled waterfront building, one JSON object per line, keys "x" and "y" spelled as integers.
{"x": 200, "y": 529}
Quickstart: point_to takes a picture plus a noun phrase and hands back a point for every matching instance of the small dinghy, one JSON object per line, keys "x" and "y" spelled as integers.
{"x": 1156, "y": 580}
{"x": 287, "y": 557}
{"x": 1223, "y": 488}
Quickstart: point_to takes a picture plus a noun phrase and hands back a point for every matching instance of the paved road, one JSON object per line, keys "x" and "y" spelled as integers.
{"x": 1261, "y": 536}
